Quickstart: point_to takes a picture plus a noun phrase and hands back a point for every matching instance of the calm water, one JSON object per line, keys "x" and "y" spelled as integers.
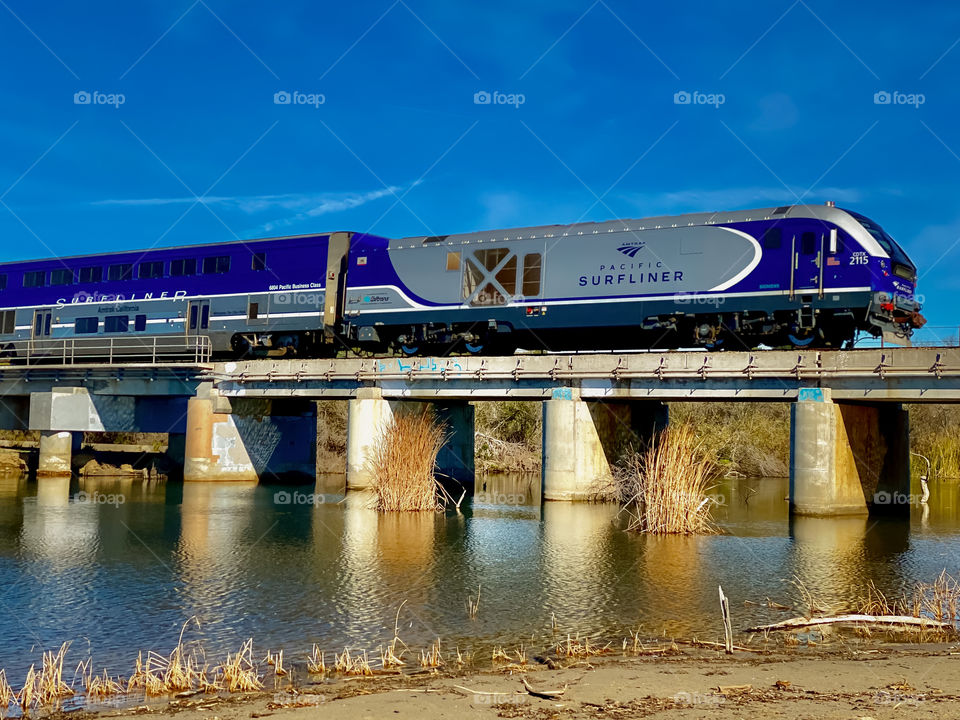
{"x": 115, "y": 579}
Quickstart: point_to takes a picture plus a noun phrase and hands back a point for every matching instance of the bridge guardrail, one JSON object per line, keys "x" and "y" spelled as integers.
{"x": 155, "y": 350}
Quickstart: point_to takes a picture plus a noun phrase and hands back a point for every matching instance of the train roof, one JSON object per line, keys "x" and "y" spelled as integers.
{"x": 821, "y": 212}
{"x": 140, "y": 252}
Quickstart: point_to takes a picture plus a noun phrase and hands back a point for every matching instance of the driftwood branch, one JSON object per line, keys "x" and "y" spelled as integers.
{"x": 802, "y": 622}
{"x": 545, "y": 694}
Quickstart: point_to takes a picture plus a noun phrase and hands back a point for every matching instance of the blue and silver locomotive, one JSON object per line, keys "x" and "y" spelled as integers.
{"x": 801, "y": 275}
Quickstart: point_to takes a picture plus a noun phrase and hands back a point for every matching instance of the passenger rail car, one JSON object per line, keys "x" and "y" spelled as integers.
{"x": 801, "y": 275}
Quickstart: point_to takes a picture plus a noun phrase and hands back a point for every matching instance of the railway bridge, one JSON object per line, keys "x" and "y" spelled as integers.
{"x": 243, "y": 421}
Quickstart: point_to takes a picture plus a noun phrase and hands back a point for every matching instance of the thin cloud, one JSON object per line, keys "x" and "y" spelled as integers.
{"x": 309, "y": 203}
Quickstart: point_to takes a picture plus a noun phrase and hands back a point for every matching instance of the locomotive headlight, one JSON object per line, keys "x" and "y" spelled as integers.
{"x": 905, "y": 272}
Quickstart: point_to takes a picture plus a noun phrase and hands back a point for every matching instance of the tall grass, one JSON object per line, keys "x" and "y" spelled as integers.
{"x": 404, "y": 461}
{"x": 665, "y": 489}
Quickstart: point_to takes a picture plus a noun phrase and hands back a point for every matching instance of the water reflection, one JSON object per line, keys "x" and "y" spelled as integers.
{"x": 258, "y": 561}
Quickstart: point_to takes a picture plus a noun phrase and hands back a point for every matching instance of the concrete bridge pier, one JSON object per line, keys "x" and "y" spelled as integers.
{"x": 368, "y": 416}
{"x": 56, "y": 453}
{"x": 583, "y": 440}
{"x": 848, "y": 459}
{"x": 246, "y": 440}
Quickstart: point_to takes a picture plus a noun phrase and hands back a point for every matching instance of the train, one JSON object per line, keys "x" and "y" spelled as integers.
{"x": 795, "y": 275}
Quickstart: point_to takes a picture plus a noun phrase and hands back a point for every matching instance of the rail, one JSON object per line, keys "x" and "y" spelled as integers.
{"x": 154, "y": 350}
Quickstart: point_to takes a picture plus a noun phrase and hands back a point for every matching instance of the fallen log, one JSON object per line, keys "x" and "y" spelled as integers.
{"x": 803, "y": 622}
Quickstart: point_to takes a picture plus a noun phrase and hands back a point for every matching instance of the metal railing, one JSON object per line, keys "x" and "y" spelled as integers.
{"x": 153, "y": 350}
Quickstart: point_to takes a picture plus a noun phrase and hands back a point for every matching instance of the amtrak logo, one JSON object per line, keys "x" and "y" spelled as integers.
{"x": 631, "y": 250}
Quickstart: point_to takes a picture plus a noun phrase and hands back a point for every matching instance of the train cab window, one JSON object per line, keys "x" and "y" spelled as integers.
{"x": 34, "y": 278}
{"x": 808, "y": 243}
{"x": 253, "y": 311}
{"x": 116, "y": 323}
{"x": 8, "y": 322}
{"x": 216, "y": 265}
{"x": 86, "y": 325}
{"x": 772, "y": 237}
{"x": 61, "y": 276}
{"x": 532, "y": 268}
{"x": 150, "y": 270}
{"x": 183, "y": 267}
{"x": 507, "y": 277}
{"x": 259, "y": 261}
{"x": 120, "y": 271}
{"x": 140, "y": 323}
{"x": 453, "y": 261}
{"x": 836, "y": 243}
{"x": 3, "y": 281}
{"x": 91, "y": 274}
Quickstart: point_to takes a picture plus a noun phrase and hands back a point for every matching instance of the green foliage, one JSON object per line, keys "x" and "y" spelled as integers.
{"x": 935, "y": 433}
{"x": 752, "y": 439}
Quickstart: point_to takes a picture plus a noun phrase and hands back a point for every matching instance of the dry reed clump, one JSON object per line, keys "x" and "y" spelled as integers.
{"x": 403, "y": 463}
{"x": 316, "y": 661}
{"x": 239, "y": 672}
{"x": 576, "y": 648}
{"x": 46, "y": 687}
{"x": 431, "y": 658}
{"x": 939, "y": 600}
{"x": 350, "y": 665}
{"x": 665, "y": 490}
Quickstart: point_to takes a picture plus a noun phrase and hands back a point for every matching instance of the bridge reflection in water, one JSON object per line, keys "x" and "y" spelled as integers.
{"x": 334, "y": 572}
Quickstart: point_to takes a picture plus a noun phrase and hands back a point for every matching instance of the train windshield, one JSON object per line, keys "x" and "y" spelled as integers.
{"x": 880, "y": 235}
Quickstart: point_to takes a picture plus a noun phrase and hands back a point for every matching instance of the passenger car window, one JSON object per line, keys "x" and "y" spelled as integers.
{"x": 453, "y": 261}
{"x": 61, "y": 276}
{"x": 259, "y": 261}
{"x": 86, "y": 326}
{"x": 91, "y": 274}
{"x": 121, "y": 271}
{"x": 140, "y": 323}
{"x": 116, "y": 323}
{"x": 34, "y": 278}
{"x": 216, "y": 265}
{"x": 182, "y": 267}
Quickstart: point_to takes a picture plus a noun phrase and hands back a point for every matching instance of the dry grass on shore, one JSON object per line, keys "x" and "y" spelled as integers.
{"x": 938, "y": 600}
{"x": 404, "y": 462}
{"x": 665, "y": 489}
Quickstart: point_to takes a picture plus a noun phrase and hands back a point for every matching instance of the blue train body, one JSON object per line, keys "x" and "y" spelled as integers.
{"x": 795, "y": 274}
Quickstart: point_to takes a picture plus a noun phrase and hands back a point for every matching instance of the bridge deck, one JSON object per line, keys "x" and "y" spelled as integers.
{"x": 895, "y": 375}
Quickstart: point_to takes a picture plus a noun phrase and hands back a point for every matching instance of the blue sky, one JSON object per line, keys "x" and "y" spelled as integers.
{"x": 782, "y": 109}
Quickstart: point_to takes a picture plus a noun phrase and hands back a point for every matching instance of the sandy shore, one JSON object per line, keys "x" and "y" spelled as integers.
{"x": 887, "y": 682}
